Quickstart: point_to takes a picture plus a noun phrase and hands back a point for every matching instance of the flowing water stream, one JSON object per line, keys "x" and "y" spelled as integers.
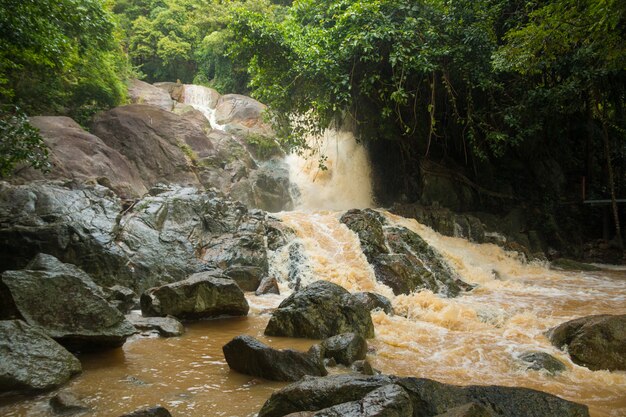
{"x": 473, "y": 339}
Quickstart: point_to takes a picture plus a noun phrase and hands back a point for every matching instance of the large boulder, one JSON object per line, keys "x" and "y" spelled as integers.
{"x": 247, "y": 355}
{"x": 30, "y": 359}
{"x": 77, "y": 224}
{"x": 401, "y": 259}
{"x": 141, "y": 92}
{"x": 77, "y": 154}
{"x": 64, "y": 302}
{"x": 202, "y": 295}
{"x": 318, "y": 311}
{"x": 428, "y": 398}
{"x": 597, "y": 342}
{"x": 154, "y": 141}
{"x": 165, "y": 326}
{"x": 241, "y": 114}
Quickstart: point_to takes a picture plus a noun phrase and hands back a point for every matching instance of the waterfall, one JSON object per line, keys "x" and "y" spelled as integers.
{"x": 205, "y": 100}
{"x": 346, "y": 181}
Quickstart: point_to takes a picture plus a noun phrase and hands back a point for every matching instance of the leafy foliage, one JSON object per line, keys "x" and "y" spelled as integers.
{"x": 19, "y": 142}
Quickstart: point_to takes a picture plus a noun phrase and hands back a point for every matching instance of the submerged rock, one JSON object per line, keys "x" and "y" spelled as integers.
{"x": 65, "y": 302}
{"x": 401, "y": 259}
{"x": 345, "y": 348}
{"x": 30, "y": 359}
{"x": 66, "y": 403}
{"x": 247, "y": 355}
{"x": 320, "y": 310}
{"x": 597, "y": 342}
{"x": 542, "y": 361}
{"x": 156, "y": 411}
{"x": 428, "y": 398}
{"x": 165, "y": 326}
{"x": 202, "y": 295}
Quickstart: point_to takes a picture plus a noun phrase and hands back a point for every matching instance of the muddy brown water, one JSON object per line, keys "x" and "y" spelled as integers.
{"x": 473, "y": 339}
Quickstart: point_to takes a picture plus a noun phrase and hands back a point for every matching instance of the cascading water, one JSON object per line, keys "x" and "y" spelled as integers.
{"x": 203, "y": 99}
{"x": 346, "y": 181}
{"x": 475, "y": 338}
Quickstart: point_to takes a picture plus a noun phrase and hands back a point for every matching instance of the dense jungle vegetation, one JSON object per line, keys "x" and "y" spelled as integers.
{"x": 524, "y": 98}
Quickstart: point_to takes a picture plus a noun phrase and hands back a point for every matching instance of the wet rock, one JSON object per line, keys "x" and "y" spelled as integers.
{"x": 268, "y": 285}
{"x": 297, "y": 265}
{"x": 373, "y": 301}
{"x": 363, "y": 367}
{"x": 202, "y": 295}
{"x": 468, "y": 410}
{"x": 143, "y": 93}
{"x": 401, "y": 259}
{"x": 247, "y": 355}
{"x": 30, "y": 359}
{"x": 76, "y": 154}
{"x": 175, "y": 90}
{"x": 572, "y": 265}
{"x": 387, "y": 401}
{"x": 74, "y": 223}
{"x": 165, "y": 326}
{"x": 320, "y": 310}
{"x": 434, "y": 398}
{"x": 427, "y": 397}
{"x": 312, "y": 394}
{"x": 122, "y": 298}
{"x": 345, "y": 348}
{"x": 66, "y": 403}
{"x": 542, "y": 360}
{"x": 156, "y": 411}
{"x": 64, "y": 302}
{"x": 597, "y": 342}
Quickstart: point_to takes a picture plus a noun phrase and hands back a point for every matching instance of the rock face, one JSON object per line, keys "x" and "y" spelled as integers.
{"x": 319, "y": 311}
{"x": 247, "y": 355}
{"x": 143, "y": 93}
{"x": 345, "y": 348}
{"x": 65, "y": 302}
{"x": 165, "y": 326}
{"x": 30, "y": 359}
{"x": 158, "y": 139}
{"x": 597, "y": 342}
{"x": 428, "y": 398}
{"x": 202, "y": 295}
{"x": 401, "y": 259}
{"x": 79, "y": 155}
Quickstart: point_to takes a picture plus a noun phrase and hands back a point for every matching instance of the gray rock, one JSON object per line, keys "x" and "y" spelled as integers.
{"x": 373, "y": 301}
{"x": 345, "y": 348}
{"x": 122, "y": 298}
{"x": 312, "y": 394}
{"x": 427, "y": 397}
{"x": 66, "y": 403}
{"x": 597, "y": 342}
{"x": 268, "y": 285}
{"x": 363, "y": 367}
{"x": 30, "y": 359}
{"x": 401, "y": 259}
{"x": 143, "y": 93}
{"x": 320, "y": 310}
{"x": 387, "y": 401}
{"x": 64, "y": 302}
{"x": 542, "y": 361}
{"x": 165, "y": 326}
{"x": 241, "y": 114}
{"x": 202, "y": 295}
{"x": 247, "y": 355}
{"x": 156, "y": 411}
